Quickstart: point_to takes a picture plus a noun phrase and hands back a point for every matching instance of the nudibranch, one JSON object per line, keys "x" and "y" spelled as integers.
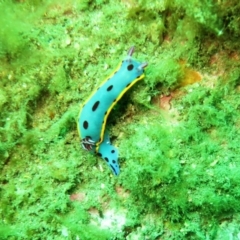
{"x": 94, "y": 112}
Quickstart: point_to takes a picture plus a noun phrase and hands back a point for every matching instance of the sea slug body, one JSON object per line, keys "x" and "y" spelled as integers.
{"x": 94, "y": 112}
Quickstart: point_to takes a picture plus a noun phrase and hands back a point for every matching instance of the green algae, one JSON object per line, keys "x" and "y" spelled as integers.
{"x": 179, "y": 167}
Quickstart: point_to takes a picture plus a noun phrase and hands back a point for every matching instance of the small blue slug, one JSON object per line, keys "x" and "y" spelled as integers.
{"x": 94, "y": 112}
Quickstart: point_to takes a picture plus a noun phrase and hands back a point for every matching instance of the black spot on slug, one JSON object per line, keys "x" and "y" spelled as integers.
{"x": 99, "y": 154}
{"x": 128, "y": 85}
{"x": 85, "y": 125}
{"x": 95, "y": 106}
{"x": 110, "y": 88}
{"x": 113, "y": 151}
{"x": 113, "y": 161}
{"x": 130, "y": 67}
{"x": 106, "y": 159}
{"x": 114, "y": 170}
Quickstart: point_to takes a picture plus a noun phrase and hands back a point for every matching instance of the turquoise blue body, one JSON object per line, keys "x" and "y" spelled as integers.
{"x": 94, "y": 113}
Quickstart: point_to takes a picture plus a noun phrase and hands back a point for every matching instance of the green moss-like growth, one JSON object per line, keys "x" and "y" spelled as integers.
{"x": 12, "y": 41}
{"x": 177, "y": 130}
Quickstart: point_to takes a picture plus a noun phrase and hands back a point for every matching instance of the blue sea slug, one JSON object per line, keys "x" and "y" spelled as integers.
{"x": 94, "y": 112}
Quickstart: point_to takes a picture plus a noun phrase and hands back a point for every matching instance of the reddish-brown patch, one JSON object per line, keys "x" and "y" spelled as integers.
{"x": 165, "y": 102}
{"x": 93, "y": 211}
{"x": 78, "y": 197}
{"x": 190, "y": 76}
{"x": 122, "y": 192}
{"x": 167, "y": 39}
{"x": 234, "y": 56}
